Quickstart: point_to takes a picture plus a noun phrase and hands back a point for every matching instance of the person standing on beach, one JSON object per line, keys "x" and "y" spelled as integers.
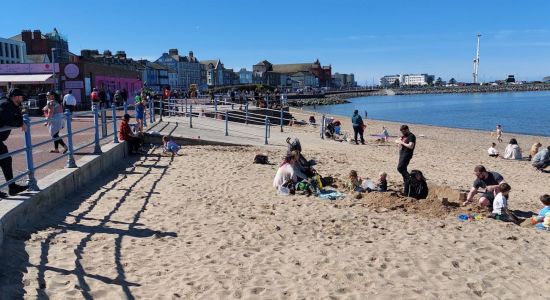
{"x": 499, "y": 133}
{"x": 406, "y": 144}
{"x": 486, "y": 180}
{"x": 358, "y": 124}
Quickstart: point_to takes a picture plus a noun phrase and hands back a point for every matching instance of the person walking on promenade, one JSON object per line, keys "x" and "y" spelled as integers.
{"x": 102, "y": 98}
{"x": 94, "y": 96}
{"x": 69, "y": 101}
{"x": 406, "y": 144}
{"x": 124, "y": 95}
{"x": 140, "y": 112}
{"x": 486, "y": 180}
{"x": 56, "y": 121}
{"x": 118, "y": 98}
{"x": 10, "y": 116}
{"x": 358, "y": 128}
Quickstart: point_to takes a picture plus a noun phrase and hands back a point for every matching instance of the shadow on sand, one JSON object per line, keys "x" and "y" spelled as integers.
{"x": 14, "y": 262}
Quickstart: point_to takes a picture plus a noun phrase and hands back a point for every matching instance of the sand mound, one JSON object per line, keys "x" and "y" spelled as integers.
{"x": 441, "y": 201}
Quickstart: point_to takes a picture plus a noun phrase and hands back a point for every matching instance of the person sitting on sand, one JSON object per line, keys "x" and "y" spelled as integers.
{"x": 286, "y": 174}
{"x": 337, "y": 126}
{"x": 355, "y": 182}
{"x": 512, "y": 151}
{"x": 312, "y": 120}
{"x": 486, "y": 180}
{"x": 493, "y": 152}
{"x": 542, "y": 159}
{"x": 303, "y": 168}
{"x": 170, "y": 147}
{"x": 382, "y": 184}
{"x": 534, "y": 150}
{"x": 385, "y": 134}
{"x": 500, "y": 205}
{"x": 542, "y": 220}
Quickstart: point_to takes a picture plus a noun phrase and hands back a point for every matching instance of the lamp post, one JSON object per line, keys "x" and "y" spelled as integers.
{"x": 53, "y": 70}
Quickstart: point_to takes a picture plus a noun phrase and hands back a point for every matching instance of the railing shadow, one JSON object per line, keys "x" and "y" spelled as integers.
{"x": 13, "y": 269}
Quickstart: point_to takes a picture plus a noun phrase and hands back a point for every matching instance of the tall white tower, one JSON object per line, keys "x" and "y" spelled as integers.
{"x": 476, "y": 61}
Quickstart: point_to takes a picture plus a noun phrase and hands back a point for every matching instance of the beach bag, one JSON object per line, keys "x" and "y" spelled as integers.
{"x": 261, "y": 159}
{"x": 418, "y": 189}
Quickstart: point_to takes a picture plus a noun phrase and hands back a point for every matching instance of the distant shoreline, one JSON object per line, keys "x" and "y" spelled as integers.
{"x": 396, "y": 123}
{"x": 341, "y": 98}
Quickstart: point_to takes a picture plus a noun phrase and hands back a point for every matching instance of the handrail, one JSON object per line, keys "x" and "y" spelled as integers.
{"x": 67, "y": 117}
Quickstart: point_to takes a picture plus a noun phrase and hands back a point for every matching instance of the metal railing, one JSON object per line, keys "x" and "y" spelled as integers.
{"x": 100, "y": 123}
{"x": 222, "y": 109}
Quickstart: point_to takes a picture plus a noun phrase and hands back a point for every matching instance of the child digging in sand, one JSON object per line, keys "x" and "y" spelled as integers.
{"x": 500, "y": 205}
{"x": 493, "y": 152}
{"x": 542, "y": 220}
{"x": 382, "y": 184}
{"x": 355, "y": 182}
{"x": 170, "y": 147}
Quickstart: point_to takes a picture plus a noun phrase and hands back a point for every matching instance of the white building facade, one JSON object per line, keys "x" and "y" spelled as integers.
{"x": 407, "y": 80}
{"x": 12, "y": 51}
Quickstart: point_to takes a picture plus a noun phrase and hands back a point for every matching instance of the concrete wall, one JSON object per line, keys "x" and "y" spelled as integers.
{"x": 23, "y": 209}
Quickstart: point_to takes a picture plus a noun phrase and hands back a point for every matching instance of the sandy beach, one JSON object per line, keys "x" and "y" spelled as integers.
{"x": 209, "y": 225}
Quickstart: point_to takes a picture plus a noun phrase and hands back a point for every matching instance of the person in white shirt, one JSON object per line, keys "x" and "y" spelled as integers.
{"x": 69, "y": 101}
{"x": 512, "y": 151}
{"x": 500, "y": 205}
{"x": 286, "y": 174}
{"x": 493, "y": 152}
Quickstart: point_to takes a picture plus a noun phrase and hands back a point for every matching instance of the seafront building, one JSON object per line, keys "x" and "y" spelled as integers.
{"x": 245, "y": 76}
{"x": 214, "y": 73}
{"x": 188, "y": 69}
{"x": 40, "y": 45}
{"x": 343, "y": 80}
{"x": 12, "y": 52}
{"x": 407, "y": 80}
{"x": 154, "y": 76}
{"x": 281, "y": 75}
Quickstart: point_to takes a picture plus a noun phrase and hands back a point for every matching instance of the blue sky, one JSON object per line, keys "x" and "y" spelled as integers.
{"x": 367, "y": 38}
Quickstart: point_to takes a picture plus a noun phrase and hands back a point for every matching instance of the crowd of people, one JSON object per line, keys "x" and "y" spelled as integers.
{"x": 538, "y": 155}
{"x": 493, "y": 191}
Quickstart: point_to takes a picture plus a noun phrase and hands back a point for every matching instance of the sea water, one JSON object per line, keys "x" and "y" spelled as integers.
{"x": 518, "y": 112}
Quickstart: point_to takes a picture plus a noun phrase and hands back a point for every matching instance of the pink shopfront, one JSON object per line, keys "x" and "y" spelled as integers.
{"x": 133, "y": 86}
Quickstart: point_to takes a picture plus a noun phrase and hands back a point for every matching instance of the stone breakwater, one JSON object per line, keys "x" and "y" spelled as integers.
{"x": 473, "y": 89}
{"x": 330, "y": 99}
{"x": 340, "y": 98}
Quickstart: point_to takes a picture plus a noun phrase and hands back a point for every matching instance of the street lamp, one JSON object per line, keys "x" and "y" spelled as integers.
{"x": 53, "y": 69}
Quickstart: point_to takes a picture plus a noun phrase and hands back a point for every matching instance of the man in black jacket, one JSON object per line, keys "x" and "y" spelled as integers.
{"x": 10, "y": 116}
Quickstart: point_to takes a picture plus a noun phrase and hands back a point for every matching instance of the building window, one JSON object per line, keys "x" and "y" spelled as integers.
{"x": 1, "y": 49}
{"x": 17, "y": 51}
{"x": 12, "y": 48}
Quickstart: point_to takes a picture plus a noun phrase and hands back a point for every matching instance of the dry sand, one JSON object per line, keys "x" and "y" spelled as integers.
{"x": 208, "y": 225}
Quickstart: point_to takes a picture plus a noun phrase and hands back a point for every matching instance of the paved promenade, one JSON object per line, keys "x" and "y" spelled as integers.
{"x": 42, "y": 153}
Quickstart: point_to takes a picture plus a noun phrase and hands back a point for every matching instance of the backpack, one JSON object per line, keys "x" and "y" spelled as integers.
{"x": 261, "y": 159}
{"x": 95, "y": 96}
{"x": 418, "y": 189}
